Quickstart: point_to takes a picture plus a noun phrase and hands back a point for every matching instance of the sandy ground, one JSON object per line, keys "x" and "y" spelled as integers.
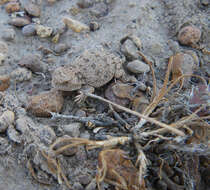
{"x": 155, "y": 22}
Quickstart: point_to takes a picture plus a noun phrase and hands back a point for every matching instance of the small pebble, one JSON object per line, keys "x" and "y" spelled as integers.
{"x": 19, "y": 21}
{"x": 130, "y": 50}
{"x": 78, "y": 186}
{"x": 4, "y": 82}
{"x": 21, "y": 74}
{"x": 47, "y": 135}
{"x": 12, "y": 7}
{"x": 60, "y": 48}
{"x": 42, "y": 104}
{"x": 85, "y": 3}
{"x": 43, "y": 31}
{"x": 6, "y": 119}
{"x": 21, "y": 125}
{"x": 80, "y": 113}
{"x": 84, "y": 179}
{"x": 73, "y": 129}
{"x": 29, "y": 30}
{"x": 56, "y": 38}
{"x": 74, "y": 10}
{"x": 99, "y": 10}
{"x": 33, "y": 9}
{"x": 138, "y": 67}
{"x": 8, "y": 34}
{"x": 194, "y": 56}
{"x": 94, "y": 26}
{"x": 182, "y": 64}
{"x": 122, "y": 90}
{"x": 60, "y": 28}
{"x": 189, "y": 35}
{"x": 109, "y": 94}
{"x": 32, "y": 62}
{"x": 75, "y": 25}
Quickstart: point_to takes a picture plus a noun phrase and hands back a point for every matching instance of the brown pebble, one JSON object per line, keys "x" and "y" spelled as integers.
{"x": 109, "y": 94}
{"x": 122, "y": 90}
{"x": 182, "y": 64}
{"x": 42, "y": 104}
{"x": 12, "y": 7}
{"x": 19, "y": 21}
{"x": 189, "y": 35}
{"x": 75, "y": 25}
{"x": 33, "y": 9}
{"x": 4, "y": 82}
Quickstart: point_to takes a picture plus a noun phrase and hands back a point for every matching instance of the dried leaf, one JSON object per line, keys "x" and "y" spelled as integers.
{"x": 114, "y": 168}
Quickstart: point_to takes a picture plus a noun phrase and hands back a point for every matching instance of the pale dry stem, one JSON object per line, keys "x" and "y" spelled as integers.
{"x": 153, "y": 74}
{"x": 151, "y": 120}
{"x": 89, "y": 144}
{"x": 55, "y": 167}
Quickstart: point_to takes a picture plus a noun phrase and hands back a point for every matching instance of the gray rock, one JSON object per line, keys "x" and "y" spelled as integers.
{"x": 8, "y": 34}
{"x": 138, "y": 67}
{"x": 32, "y": 62}
{"x": 60, "y": 48}
{"x": 85, "y": 135}
{"x": 47, "y": 135}
{"x": 84, "y": 179}
{"x": 32, "y": 9}
{"x": 21, "y": 74}
{"x": 80, "y": 113}
{"x": 20, "y": 21}
{"x": 78, "y": 186}
{"x": 130, "y": 50}
{"x": 72, "y": 129}
{"x": 174, "y": 46}
{"x": 99, "y": 10}
{"x": 21, "y": 125}
{"x": 29, "y": 30}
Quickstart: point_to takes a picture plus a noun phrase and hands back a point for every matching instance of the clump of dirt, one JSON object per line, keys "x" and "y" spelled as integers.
{"x": 104, "y": 94}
